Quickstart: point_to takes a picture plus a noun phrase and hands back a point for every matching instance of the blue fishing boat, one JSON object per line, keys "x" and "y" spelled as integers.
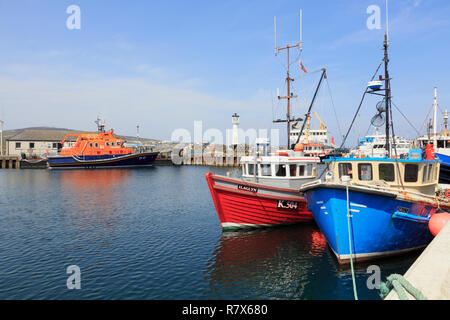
{"x": 376, "y": 207}
{"x": 381, "y": 210}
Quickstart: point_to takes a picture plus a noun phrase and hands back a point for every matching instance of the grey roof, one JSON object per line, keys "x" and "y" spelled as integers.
{"x": 43, "y": 135}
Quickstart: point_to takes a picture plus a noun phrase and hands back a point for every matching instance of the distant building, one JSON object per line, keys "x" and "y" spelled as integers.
{"x": 38, "y": 142}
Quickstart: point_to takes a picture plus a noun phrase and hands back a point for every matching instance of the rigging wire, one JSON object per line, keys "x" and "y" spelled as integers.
{"x": 412, "y": 126}
{"x": 354, "y": 118}
{"x": 334, "y": 109}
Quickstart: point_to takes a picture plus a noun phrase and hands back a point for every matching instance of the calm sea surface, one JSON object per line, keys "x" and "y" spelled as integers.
{"x": 154, "y": 234}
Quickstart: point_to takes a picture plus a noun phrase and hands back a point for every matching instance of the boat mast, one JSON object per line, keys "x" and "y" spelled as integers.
{"x": 387, "y": 85}
{"x": 289, "y": 95}
{"x": 435, "y": 120}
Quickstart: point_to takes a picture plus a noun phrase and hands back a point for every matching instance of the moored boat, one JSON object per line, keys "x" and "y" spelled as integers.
{"x": 382, "y": 210}
{"x": 370, "y": 208}
{"x": 267, "y": 192}
{"x": 99, "y": 150}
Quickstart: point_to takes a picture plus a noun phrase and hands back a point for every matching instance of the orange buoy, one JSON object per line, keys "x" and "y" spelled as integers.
{"x": 437, "y": 222}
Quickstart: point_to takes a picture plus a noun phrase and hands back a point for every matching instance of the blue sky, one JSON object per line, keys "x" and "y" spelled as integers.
{"x": 163, "y": 64}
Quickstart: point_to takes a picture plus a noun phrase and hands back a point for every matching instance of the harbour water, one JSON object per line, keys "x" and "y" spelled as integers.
{"x": 153, "y": 233}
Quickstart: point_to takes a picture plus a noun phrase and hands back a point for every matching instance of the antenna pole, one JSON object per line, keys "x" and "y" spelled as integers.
{"x": 387, "y": 21}
{"x": 289, "y": 95}
{"x": 301, "y": 30}
{"x": 275, "y": 27}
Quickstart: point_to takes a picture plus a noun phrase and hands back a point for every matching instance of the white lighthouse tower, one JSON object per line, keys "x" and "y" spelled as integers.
{"x": 235, "y": 131}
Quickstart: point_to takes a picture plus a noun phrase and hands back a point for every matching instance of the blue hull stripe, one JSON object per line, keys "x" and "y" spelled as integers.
{"x": 139, "y": 159}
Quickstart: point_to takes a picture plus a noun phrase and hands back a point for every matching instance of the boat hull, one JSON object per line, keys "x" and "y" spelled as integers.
{"x": 380, "y": 225}
{"x": 242, "y": 205}
{"x": 444, "y": 172}
{"x": 103, "y": 161}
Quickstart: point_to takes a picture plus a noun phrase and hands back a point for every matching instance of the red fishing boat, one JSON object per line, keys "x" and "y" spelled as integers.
{"x": 267, "y": 192}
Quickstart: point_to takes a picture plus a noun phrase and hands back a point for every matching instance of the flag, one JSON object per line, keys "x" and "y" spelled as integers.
{"x": 302, "y": 67}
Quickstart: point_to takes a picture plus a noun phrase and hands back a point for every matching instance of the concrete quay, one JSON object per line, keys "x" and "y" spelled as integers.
{"x": 430, "y": 273}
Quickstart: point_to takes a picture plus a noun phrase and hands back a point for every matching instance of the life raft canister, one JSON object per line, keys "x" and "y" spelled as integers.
{"x": 447, "y": 193}
{"x": 429, "y": 152}
{"x": 299, "y": 147}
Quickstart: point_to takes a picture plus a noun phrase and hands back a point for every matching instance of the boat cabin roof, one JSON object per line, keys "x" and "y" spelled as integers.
{"x": 415, "y": 175}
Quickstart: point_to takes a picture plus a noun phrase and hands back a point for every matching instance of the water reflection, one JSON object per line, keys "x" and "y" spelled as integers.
{"x": 271, "y": 263}
{"x": 93, "y": 200}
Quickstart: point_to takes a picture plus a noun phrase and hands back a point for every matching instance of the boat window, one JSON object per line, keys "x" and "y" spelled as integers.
{"x": 280, "y": 170}
{"x": 265, "y": 170}
{"x": 96, "y": 145}
{"x": 345, "y": 169}
{"x": 386, "y": 172}
{"x": 301, "y": 170}
{"x": 309, "y": 169}
{"x": 90, "y": 144}
{"x": 107, "y": 144}
{"x": 112, "y": 143}
{"x": 411, "y": 171}
{"x": 424, "y": 177}
{"x": 118, "y": 143}
{"x": 365, "y": 172}
{"x": 430, "y": 169}
{"x": 251, "y": 169}
{"x": 293, "y": 170}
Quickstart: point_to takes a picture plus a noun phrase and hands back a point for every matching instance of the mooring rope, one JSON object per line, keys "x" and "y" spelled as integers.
{"x": 400, "y": 284}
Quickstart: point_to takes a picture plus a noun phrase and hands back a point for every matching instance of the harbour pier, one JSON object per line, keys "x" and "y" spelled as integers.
{"x": 9, "y": 162}
{"x": 430, "y": 273}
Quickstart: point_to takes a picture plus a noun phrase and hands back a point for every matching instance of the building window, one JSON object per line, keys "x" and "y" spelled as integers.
{"x": 365, "y": 172}
{"x": 17, "y": 145}
{"x": 386, "y": 172}
{"x": 411, "y": 172}
{"x": 54, "y": 145}
{"x": 31, "y": 145}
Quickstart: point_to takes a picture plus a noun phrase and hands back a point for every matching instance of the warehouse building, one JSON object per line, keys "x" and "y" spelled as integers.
{"x": 38, "y": 143}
